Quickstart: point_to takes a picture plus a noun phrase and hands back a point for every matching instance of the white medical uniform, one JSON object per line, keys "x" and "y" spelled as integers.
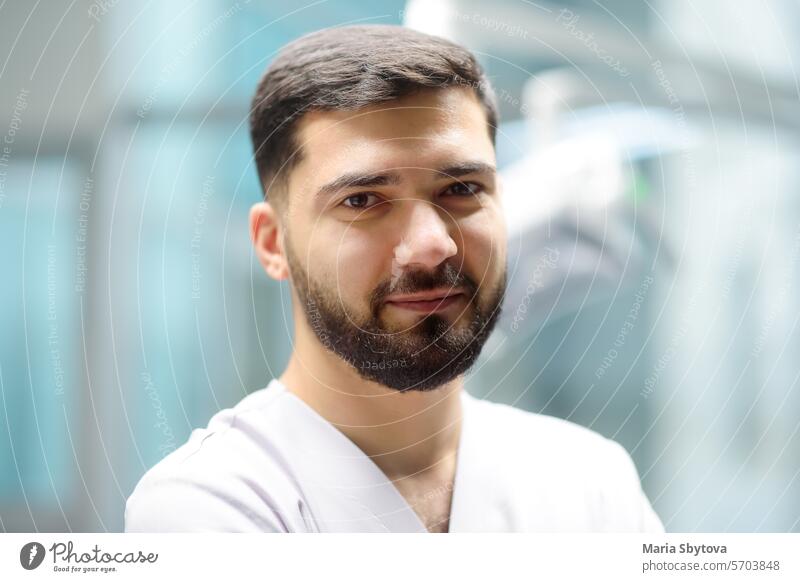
{"x": 273, "y": 464}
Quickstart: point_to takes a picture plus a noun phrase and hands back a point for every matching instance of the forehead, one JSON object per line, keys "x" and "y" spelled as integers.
{"x": 428, "y": 129}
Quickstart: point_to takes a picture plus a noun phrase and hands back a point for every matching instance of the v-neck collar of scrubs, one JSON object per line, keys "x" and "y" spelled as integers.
{"x": 347, "y": 491}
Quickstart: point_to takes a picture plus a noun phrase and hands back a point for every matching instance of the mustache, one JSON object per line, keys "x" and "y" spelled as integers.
{"x": 416, "y": 281}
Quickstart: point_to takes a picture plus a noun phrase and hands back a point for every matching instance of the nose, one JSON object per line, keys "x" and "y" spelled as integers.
{"x": 426, "y": 242}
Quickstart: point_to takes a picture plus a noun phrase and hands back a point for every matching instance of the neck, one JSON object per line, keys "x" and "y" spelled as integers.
{"x": 405, "y": 433}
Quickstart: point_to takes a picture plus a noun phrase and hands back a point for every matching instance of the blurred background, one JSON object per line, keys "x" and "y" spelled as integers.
{"x": 650, "y": 159}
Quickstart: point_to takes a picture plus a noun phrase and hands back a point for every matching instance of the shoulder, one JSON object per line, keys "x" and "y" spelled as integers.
{"x": 547, "y": 435}
{"x": 537, "y": 441}
{"x": 214, "y": 482}
{"x": 568, "y": 462}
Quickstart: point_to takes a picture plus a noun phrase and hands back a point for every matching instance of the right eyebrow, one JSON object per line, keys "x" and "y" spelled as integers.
{"x": 358, "y": 180}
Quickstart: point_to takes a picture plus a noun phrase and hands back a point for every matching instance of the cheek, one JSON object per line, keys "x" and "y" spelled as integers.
{"x": 352, "y": 264}
{"x": 484, "y": 246}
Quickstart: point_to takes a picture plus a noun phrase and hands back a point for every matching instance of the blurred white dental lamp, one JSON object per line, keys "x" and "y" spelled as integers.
{"x": 580, "y": 228}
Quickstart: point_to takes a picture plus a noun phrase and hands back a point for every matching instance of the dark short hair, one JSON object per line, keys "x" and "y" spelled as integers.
{"x": 349, "y": 68}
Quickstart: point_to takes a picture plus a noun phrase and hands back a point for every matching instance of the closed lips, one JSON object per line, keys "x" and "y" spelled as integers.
{"x": 424, "y": 296}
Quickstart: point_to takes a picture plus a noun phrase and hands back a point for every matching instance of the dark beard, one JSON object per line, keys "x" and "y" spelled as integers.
{"x": 423, "y": 357}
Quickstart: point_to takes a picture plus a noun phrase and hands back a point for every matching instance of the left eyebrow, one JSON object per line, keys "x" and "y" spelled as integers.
{"x": 359, "y": 180}
{"x": 466, "y": 168}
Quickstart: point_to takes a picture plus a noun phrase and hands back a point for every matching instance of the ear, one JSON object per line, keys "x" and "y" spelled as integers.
{"x": 265, "y": 233}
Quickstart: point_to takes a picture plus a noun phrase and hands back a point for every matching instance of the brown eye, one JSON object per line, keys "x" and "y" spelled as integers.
{"x": 463, "y": 189}
{"x": 360, "y": 201}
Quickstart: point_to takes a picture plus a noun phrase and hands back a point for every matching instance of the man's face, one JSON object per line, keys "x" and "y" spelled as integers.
{"x": 395, "y": 237}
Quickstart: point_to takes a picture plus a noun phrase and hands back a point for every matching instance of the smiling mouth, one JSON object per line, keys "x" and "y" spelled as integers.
{"x": 431, "y": 302}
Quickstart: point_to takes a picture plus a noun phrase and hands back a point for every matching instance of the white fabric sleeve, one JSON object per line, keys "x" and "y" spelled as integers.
{"x": 630, "y": 509}
{"x": 174, "y": 505}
